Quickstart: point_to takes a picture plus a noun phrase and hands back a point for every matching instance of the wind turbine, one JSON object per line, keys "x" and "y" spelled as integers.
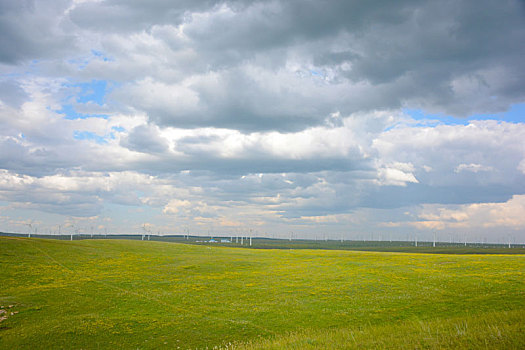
{"x": 145, "y": 231}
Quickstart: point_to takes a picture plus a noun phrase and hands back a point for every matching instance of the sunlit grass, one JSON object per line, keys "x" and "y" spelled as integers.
{"x": 497, "y": 330}
{"x": 134, "y": 294}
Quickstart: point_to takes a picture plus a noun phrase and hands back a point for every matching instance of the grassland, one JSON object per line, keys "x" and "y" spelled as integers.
{"x": 273, "y": 243}
{"x": 93, "y": 294}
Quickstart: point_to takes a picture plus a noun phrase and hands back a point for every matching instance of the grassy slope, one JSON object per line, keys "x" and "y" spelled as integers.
{"x": 377, "y": 246}
{"x": 495, "y": 330}
{"x": 133, "y": 294}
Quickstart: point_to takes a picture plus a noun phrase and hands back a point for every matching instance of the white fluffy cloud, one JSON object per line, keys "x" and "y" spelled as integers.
{"x": 508, "y": 215}
{"x": 396, "y": 174}
{"x": 458, "y": 154}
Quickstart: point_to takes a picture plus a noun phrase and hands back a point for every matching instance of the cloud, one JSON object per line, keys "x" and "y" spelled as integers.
{"x": 396, "y": 174}
{"x": 34, "y": 30}
{"x": 464, "y": 155}
{"x": 175, "y": 206}
{"x": 83, "y": 193}
{"x": 508, "y": 214}
{"x": 472, "y": 167}
{"x": 288, "y": 65}
{"x": 146, "y": 139}
{"x": 11, "y": 94}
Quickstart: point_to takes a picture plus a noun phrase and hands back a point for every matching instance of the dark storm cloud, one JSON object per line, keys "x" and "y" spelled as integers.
{"x": 254, "y": 66}
{"x": 131, "y": 16}
{"x": 456, "y": 57}
{"x": 31, "y": 30}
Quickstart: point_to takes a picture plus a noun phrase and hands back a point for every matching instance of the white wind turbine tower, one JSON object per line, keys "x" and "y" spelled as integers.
{"x": 30, "y": 229}
{"x": 146, "y": 231}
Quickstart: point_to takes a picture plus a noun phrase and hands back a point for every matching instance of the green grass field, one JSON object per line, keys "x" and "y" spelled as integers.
{"x": 93, "y": 294}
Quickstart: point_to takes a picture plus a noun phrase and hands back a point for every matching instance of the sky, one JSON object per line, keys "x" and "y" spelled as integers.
{"x": 314, "y": 119}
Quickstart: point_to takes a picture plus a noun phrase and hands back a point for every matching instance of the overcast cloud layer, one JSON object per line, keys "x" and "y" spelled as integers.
{"x": 315, "y": 117}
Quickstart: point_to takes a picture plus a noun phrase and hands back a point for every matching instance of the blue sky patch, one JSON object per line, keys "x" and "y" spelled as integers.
{"x": 88, "y": 135}
{"x": 434, "y": 119}
{"x": 118, "y": 128}
{"x": 93, "y": 91}
{"x": 515, "y": 114}
{"x": 72, "y": 114}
